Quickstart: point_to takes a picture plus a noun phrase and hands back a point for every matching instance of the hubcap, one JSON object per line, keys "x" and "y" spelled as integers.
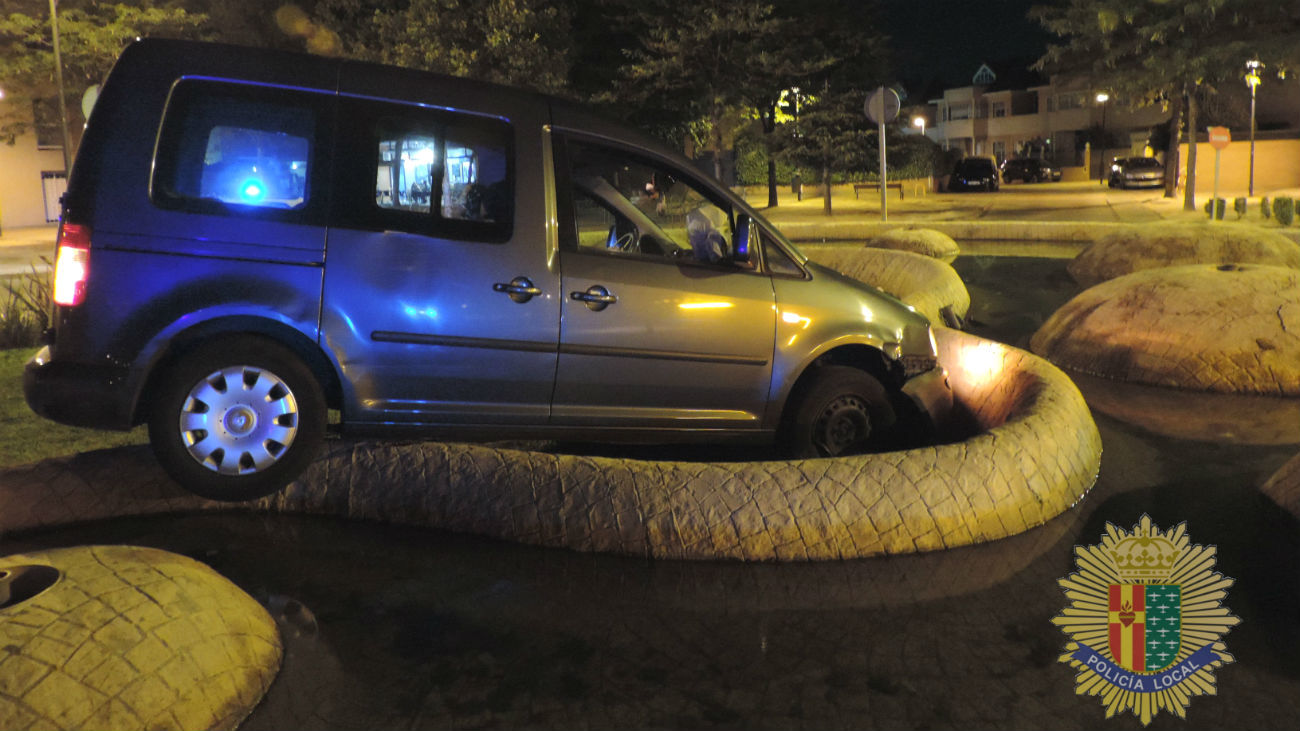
{"x": 845, "y": 423}
{"x": 239, "y": 420}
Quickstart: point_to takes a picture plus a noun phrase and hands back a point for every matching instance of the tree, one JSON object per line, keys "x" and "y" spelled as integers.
{"x": 1171, "y": 52}
{"x": 711, "y": 60}
{"x": 517, "y": 42}
{"x": 92, "y": 35}
{"x": 834, "y": 137}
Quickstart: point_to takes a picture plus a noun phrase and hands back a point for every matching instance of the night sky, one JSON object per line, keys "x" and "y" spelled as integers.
{"x": 947, "y": 40}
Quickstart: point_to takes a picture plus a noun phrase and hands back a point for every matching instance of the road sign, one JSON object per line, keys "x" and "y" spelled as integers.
{"x": 1220, "y": 137}
{"x": 882, "y": 106}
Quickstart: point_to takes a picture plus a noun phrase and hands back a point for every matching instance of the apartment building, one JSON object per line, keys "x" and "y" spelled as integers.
{"x": 1019, "y": 114}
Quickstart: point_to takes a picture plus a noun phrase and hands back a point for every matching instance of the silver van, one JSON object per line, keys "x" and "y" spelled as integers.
{"x": 252, "y": 240}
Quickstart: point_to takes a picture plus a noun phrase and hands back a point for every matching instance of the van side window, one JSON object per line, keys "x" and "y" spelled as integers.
{"x": 237, "y": 149}
{"x": 621, "y": 203}
{"x": 431, "y": 171}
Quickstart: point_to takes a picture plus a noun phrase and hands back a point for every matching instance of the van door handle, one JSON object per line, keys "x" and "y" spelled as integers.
{"x": 520, "y": 289}
{"x": 596, "y": 297}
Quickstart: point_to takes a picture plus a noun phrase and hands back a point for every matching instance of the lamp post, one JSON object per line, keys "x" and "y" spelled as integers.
{"x": 1252, "y": 80}
{"x": 1102, "y": 98}
{"x": 919, "y": 121}
{"x": 58, "y": 82}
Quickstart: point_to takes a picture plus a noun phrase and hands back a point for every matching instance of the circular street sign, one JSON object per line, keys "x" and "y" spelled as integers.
{"x": 1219, "y": 137}
{"x": 883, "y": 105}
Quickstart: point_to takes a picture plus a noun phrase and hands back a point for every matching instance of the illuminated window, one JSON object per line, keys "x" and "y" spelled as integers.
{"x": 228, "y": 148}
{"x": 437, "y": 171}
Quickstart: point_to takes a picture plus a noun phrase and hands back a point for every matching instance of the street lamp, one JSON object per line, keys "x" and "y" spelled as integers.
{"x": 1252, "y": 80}
{"x": 1102, "y": 98}
{"x": 919, "y": 121}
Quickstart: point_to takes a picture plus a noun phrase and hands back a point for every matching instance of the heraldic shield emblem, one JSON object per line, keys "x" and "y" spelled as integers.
{"x": 1145, "y": 620}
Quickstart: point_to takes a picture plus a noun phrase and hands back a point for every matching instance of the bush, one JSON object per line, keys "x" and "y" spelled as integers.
{"x": 1239, "y": 206}
{"x": 24, "y": 309}
{"x": 1265, "y": 208}
{"x": 1284, "y": 210}
{"x": 751, "y": 166}
{"x": 1214, "y": 208}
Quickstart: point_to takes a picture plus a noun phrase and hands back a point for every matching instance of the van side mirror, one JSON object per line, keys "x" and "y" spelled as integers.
{"x": 746, "y": 238}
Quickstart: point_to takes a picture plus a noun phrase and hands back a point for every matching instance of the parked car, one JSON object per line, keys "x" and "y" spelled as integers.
{"x": 1029, "y": 170}
{"x": 251, "y": 239}
{"x": 974, "y": 173}
{"x": 1136, "y": 172}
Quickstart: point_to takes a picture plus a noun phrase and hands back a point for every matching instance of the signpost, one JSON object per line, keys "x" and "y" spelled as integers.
{"x": 881, "y": 107}
{"x": 1219, "y": 139}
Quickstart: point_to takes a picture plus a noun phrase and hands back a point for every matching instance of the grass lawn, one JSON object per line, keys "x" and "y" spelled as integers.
{"x": 26, "y": 437}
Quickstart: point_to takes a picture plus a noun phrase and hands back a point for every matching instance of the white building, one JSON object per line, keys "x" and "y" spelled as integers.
{"x": 31, "y": 178}
{"x": 1026, "y": 117}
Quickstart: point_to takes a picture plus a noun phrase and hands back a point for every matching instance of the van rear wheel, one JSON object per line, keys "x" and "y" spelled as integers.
{"x": 840, "y": 410}
{"x": 237, "y": 419}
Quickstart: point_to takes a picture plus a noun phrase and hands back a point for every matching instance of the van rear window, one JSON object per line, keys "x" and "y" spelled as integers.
{"x": 228, "y": 148}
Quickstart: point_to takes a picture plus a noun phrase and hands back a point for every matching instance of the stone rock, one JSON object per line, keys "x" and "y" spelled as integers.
{"x": 1152, "y": 246}
{"x": 928, "y": 285}
{"x": 924, "y": 241}
{"x": 1226, "y": 329}
{"x": 132, "y": 638}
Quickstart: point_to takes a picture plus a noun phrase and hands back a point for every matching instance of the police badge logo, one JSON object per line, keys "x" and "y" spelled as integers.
{"x": 1145, "y": 620}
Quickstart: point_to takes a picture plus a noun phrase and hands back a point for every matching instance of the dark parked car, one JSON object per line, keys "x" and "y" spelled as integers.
{"x": 1137, "y": 172}
{"x": 974, "y": 173}
{"x": 1029, "y": 170}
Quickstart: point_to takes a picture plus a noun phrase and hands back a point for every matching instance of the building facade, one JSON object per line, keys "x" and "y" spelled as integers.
{"x": 31, "y": 178}
{"x": 1060, "y": 120}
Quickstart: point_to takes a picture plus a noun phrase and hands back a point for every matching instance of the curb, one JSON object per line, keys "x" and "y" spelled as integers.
{"x": 1076, "y": 232}
{"x": 1037, "y": 453}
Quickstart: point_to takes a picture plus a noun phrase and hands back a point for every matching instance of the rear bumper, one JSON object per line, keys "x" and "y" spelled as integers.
{"x": 77, "y": 394}
{"x": 932, "y": 394}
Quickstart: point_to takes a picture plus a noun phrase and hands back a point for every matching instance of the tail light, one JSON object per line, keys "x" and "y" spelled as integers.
{"x": 71, "y": 264}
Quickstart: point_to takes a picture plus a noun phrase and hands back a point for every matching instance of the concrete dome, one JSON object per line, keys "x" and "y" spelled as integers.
{"x": 1228, "y": 329}
{"x": 928, "y": 285}
{"x": 925, "y": 241}
{"x": 1136, "y": 248}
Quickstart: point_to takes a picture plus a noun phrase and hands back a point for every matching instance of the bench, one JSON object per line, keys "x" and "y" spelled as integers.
{"x": 876, "y": 186}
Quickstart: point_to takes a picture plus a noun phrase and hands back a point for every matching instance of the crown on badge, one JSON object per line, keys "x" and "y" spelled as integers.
{"x": 1144, "y": 556}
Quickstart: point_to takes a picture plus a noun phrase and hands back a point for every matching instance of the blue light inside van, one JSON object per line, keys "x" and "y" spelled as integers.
{"x": 252, "y": 191}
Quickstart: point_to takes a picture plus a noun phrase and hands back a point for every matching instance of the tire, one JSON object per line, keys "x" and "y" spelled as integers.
{"x": 231, "y": 442}
{"x": 838, "y": 410}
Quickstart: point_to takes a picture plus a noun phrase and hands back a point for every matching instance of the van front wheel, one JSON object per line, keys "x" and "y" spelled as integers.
{"x": 840, "y": 410}
{"x": 237, "y": 419}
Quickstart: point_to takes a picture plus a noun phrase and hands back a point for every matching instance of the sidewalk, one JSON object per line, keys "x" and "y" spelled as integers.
{"x": 1063, "y": 211}
{"x": 29, "y": 236}
{"x": 21, "y": 249}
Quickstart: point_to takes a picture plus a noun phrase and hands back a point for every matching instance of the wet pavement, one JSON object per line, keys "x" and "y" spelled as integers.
{"x": 394, "y": 627}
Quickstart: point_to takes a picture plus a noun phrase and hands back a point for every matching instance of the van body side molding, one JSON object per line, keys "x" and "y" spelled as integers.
{"x": 454, "y": 341}
{"x": 661, "y": 355}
